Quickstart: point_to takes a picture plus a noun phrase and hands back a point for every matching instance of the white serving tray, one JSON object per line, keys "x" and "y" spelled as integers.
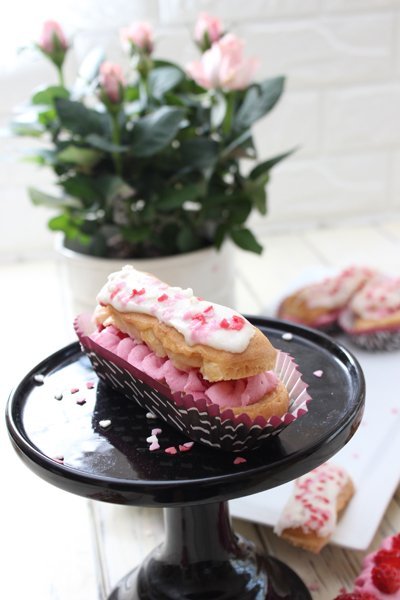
{"x": 372, "y": 457}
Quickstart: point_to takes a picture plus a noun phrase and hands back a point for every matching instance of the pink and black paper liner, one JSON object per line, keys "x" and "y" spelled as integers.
{"x": 372, "y": 339}
{"x": 200, "y": 420}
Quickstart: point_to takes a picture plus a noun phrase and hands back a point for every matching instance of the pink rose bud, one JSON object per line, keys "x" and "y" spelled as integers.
{"x": 207, "y": 30}
{"x": 52, "y": 38}
{"x": 139, "y": 36}
{"x": 224, "y": 66}
{"x": 112, "y": 81}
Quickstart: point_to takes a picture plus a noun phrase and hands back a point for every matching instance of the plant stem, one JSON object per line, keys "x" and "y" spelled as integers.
{"x": 116, "y": 139}
{"x": 60, "y": 76}
{"x": 227, "y": 122}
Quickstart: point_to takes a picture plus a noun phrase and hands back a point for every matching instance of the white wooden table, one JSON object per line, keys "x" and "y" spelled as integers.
{"x": 57, "y": 546}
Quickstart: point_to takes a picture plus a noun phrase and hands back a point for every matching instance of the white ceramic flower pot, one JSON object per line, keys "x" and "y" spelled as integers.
{"x": 210, "y": 273}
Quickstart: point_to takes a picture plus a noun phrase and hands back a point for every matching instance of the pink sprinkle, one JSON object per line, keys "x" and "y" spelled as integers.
{"x": 314, "y": 587}
{"x": 74, "y": 390}
{"x": 89, "y": 385}
{"x": 171, "y": 450}
{"x": 188, "y": 444}
{"x": 208, "y": 309}
{"x": 156, "y": 431}
{"x": 117, "y": 289}
{"x": 59, "y": 459}
{"x": 199, "y": 317}
{"x": 137, "y": 292}
{"x": 162, "y": 297}
{"x": 237, "y": 323}
{"x": 318, "y": 373}
{"x": 184, "y": 448}
{"x": 154, "y": 446}
{"x": 239, "y": 460}
{"x": 81, "y": 401}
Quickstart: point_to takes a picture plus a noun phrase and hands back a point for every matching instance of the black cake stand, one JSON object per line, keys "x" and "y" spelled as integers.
{"x": 83, "y": 437}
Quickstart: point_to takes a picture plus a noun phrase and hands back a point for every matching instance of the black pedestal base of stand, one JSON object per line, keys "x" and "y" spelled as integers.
{"x": 202, "y": 559}
{"x": 277, "y": 582}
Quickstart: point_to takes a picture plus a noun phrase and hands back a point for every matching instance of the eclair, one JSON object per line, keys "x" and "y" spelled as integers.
{"x": 372, "y": 318}
{"x": 320, "y": 304}
{"x": 309, "y": 518}
{"x": 192, "y": 345}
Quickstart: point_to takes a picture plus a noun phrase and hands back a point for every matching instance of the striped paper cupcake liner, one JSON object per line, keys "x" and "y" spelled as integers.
{"x": 199, "y": 419}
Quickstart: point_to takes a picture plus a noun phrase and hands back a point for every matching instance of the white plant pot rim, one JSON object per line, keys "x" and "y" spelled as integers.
{"x": 168, "y": 261}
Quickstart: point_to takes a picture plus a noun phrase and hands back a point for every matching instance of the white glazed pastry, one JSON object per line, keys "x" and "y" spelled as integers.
{"x": 319, "y": 304}
{"x": 309, "y": 518}
{"x": 229, "y": 358}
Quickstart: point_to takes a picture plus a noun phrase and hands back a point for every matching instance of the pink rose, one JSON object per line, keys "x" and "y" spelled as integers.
{"x": 52, "y": 38}
{"x": 207, "y": 30}
{"x": 224, "y": 66}
{"x": 139, "y": 35}
{"x": 112, "y": 81}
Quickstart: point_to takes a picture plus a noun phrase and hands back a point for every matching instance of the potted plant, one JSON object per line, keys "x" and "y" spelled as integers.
{"x": 150, "y": 163}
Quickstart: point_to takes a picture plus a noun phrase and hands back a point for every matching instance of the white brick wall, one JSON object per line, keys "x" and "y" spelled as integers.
{"x": 341, "y": 105}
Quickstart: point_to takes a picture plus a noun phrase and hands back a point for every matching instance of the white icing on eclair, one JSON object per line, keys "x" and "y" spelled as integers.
{"x": 199, "y": 321}
{"x": 334, "y": 292}
{"x": 312, "y": 504}
{"x": 380, "y": 298}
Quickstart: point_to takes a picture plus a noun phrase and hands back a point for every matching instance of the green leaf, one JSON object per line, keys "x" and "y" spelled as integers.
{"x": 85, "y": 157}
{"x": 256, "y": 191}
{"x": 199, "y": 153}
{"x": 103, "y": 144}
{"x": 25, "y": 128}
{"x": 258, "y": 101}
{"x": 240, "y": 212}
{"x": 242, "y": 139}
{"x": 112, "y": 186}
{"x": 155, "y": 131}
{"x": 264, "y": 167}
{"x": 70, "y": 228}
{"x": 187, "y": 240}
{"x": 38, "y": 198}
{"x": 135, "y": 235}
{"x": 245, "y": 239}
{"x": 81, "y": 186}
{"x": 47, "y": 95}
{"x": 75, "y": 117}
{"x": 220, "y": 235}
{"x": 164, "y": 79}
{"x": 41, "y": 157}
{"x": 62, "y": 223}
{"x": 175, "y": 198}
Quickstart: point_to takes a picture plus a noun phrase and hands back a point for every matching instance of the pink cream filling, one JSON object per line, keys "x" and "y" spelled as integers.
{"x": 240, "y": 392}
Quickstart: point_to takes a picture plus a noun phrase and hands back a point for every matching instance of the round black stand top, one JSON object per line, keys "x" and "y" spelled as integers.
{"x": 59, "y": 417}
